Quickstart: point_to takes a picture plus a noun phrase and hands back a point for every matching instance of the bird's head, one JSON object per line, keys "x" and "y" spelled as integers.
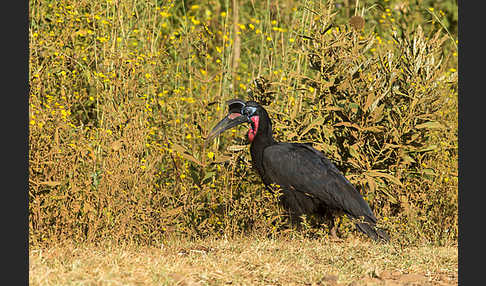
{"x": 240, "y": 111}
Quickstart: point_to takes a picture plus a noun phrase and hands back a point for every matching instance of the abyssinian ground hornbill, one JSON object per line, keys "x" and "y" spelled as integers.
{"x": 310, "y": 183}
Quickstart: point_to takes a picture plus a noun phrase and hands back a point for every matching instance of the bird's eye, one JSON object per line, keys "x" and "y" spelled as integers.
{"x": 249, "y": 111}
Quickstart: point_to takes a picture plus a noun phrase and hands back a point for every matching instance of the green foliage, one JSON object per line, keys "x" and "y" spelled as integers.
{"x": 122, "y": 95}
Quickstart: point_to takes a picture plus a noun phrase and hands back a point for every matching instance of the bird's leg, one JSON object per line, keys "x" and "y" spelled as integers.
{"x": 334, "y": 227}
{"x": 296, "y": 220}
{"x": 333, "y": 233}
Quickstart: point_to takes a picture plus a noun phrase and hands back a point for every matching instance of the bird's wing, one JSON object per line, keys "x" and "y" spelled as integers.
{"x": 301, "y": 167}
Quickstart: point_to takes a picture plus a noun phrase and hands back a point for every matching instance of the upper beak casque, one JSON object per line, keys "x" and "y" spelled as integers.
{"x": 231, "y": 120}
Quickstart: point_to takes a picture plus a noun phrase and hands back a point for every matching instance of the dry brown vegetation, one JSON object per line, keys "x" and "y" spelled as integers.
{"x": 123, "y": 93}
{"x": 245, "y": 261}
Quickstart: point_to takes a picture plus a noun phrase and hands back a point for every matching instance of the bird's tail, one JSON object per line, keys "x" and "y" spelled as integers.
{"x": 373, "y": 231}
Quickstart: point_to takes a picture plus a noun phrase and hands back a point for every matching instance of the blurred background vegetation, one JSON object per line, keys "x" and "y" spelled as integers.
{"x": 123, "y": 93}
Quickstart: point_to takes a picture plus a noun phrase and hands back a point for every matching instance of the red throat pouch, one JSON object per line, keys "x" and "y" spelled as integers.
{"x": 252, "y": 132}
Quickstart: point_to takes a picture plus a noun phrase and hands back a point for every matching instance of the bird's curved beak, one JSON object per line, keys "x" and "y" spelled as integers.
{"x": 228, "y": 122}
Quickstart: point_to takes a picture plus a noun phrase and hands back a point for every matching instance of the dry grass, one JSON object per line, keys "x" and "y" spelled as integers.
{"x": 245, "y": 261}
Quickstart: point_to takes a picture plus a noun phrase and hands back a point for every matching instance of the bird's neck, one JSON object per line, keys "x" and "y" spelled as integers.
{"x": 263, "y": 139}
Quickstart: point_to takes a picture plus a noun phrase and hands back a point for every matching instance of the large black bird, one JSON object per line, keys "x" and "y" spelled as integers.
{"x": 310, "y": 183}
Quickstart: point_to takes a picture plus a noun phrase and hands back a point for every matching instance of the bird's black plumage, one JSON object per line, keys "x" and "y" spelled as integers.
{"x": 310, "y": 182}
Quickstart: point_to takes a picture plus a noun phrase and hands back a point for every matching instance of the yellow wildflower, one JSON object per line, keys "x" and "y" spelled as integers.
{"x": 210, "y": 155}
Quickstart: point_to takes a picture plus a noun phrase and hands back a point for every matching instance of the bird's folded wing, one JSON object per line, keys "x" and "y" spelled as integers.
{"x": 307, "y": 170}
